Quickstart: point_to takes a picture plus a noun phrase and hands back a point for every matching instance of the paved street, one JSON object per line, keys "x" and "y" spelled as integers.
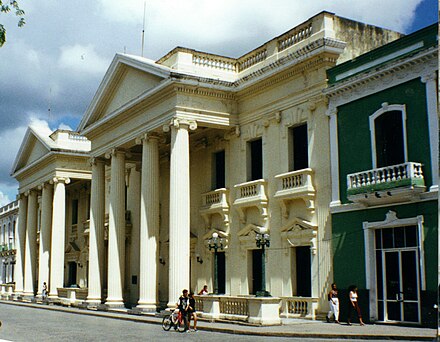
{"x": 24, "y": 322}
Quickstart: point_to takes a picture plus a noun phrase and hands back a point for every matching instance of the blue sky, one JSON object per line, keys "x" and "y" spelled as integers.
{"x": 59, "y": 57}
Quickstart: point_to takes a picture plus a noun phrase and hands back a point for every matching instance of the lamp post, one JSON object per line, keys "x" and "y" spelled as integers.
{"x": 263, "y": 241}
{"x": 215, "y": 244}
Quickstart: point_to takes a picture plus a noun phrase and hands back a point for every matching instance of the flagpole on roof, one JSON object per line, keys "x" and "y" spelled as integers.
{"x": 143, "y": 30}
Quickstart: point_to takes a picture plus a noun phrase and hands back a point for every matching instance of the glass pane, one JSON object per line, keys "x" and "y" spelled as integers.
{"x": 409, "y": 275}
{"x": 411, "y": 236}
{"x": 411, "y": 312}
{"x": 392, "y": 275}
{"x": 387, "y": 238}
{"x": 399, "y": 237}
{"x": 379, "y": 275}
{"x": 393, "y": 311}
{"x": 378, "y": 236}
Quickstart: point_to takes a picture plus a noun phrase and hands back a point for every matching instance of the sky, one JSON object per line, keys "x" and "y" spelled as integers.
{"x": 51, "y": 68}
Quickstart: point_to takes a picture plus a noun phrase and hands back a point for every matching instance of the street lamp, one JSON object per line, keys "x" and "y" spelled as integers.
{"x": 215, "y": 244}
{"x": 263, "y": 241}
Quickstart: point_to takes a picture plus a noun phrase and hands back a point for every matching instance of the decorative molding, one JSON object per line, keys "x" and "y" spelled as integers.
{"x": 300, "y": 232}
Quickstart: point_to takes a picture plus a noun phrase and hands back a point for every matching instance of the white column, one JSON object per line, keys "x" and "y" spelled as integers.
{"x": 179, "y": 210}
{"x": 31, "y": 245}
{"x": 334, "y": 156}
{"x": 58, "y": 236}
{"x": 96, "y": 244}
{"x": 149, "y": 224}
{"x": 116, "y": 231}
{"x": 46, "y": 227}
{"x": 431, "y": 103}
{"x": 20, "y": 237}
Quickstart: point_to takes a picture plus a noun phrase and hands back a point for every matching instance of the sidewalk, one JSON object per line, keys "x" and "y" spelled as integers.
{"x": 290, "y": 328}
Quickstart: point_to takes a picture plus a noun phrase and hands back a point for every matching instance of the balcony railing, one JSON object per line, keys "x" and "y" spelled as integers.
{"x": 295, "y": 185}
{"x": 215, "y": 202}
{"x": 406, "y": 178}
{"x": 251, "y": 194}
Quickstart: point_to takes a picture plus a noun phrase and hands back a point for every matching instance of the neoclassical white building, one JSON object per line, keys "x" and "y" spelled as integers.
{"x": 8, "y": 223}
{"x": 184, "y": 147}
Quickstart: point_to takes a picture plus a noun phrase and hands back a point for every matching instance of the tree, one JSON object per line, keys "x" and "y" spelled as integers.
{"x": 6, "y": 7}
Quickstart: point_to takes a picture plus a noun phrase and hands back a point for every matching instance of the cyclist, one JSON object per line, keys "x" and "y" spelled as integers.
{"x": 182, "y": 305}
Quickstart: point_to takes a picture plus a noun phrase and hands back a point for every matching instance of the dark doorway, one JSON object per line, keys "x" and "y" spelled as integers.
{"x": 256, "y": 270}
{"x": 303, "y": 272}
{"x": 219, "y": 170}
{"x": 299, "y": 147}
{"x": 221, "y": 272}
{"x": 390, "y": 149}
{"x": 71, "y": 280}
{"x": 256, "y": 159}
{"x": 75, "y": 211}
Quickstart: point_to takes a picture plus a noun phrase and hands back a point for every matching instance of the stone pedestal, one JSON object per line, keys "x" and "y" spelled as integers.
{"x": 264, "y": 310}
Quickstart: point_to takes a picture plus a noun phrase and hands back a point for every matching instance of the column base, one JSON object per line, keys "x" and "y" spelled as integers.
{"x": 146, "y": 308}
{"x": 18, "y": 296}
{"x": 113, "y": 305}
{"x": 28, "y": 297}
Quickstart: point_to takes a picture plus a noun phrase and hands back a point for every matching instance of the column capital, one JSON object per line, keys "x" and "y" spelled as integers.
{"x": 147, "y": 137}
{"x": 331, "y": 111}
{"x": 114, "y": 151}
{"x": 432, "y": 76}
{"x": 181, "y": 123}
{"x": 64, "y": 180}
{"x": 96, "y": 160}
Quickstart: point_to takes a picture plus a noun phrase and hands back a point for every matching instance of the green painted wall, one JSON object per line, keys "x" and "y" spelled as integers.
{"x": 354, "y": 130}
{"x": 349, "y": 251}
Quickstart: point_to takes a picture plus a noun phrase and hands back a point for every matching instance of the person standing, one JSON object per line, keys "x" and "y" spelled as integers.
{"x": 192, "y": 311}
{"x": 44, "y": 291}
{"x": 334, "y": 304}
{"x": 353, "y": 305}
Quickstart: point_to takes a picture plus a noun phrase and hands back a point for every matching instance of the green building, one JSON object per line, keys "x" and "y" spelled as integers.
{"x": 384, "y": 154}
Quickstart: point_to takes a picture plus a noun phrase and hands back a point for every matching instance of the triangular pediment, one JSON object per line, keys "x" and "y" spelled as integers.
{"x": 127, "y": 78}
{"x": 298, "y": 224}
{"x": 33, "y": 148}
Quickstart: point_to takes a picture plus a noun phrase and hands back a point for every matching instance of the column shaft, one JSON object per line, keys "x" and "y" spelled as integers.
{"x": 58, "y": 237}
{"x": 149, "y": 225}
{"x": 31, "y": 245}
{"x": 46, "y": 227}
{"x": 179, "y": 213}
{"x": 116, "y": 231}
{"x": 96, "y": 244}
{"x": 334, "y": 158}
{"x": 20, "y": 237}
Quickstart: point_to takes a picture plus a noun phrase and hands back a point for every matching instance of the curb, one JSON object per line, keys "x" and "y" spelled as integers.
{"x": 227, "y": 330}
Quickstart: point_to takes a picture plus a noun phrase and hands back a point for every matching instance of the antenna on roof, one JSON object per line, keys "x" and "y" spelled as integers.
{"x": 50, "y": 104}
{"x": 143, "y": 30}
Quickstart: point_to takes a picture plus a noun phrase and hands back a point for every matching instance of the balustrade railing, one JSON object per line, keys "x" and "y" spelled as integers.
{"x": 299, "y": 307}
{"x": 215, "y": 197}
{"x": 214, "y": 62}
{"x": 295, "y": 179}
{"x": 234, "y": 306}
{"x": 251, "y": 189}
{"x": 295, "y": 36}
{"x": 409, "y": 173}
{"x": 251, "y": 59}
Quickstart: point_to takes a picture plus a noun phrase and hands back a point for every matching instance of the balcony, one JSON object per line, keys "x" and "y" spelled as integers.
{"x": 251, "y": 194}
{"x": 215, "y": 202}
{"x": 295, "y": 185}
{"x": 395, "y": 183}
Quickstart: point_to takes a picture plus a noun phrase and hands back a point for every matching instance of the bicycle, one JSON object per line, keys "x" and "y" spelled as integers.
{"x": 176, "y": 320}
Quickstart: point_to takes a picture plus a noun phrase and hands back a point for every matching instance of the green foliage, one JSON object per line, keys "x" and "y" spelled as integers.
{"x": 6, "y": 7}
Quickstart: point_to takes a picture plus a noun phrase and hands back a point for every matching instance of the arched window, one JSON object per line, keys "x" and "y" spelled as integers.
{"x": 388, "y": 135}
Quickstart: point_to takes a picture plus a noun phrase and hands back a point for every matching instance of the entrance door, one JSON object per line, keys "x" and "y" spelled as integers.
{"x": 256, "y": 270}
{"x": 401, "y": 286}
{"x": 72, "y": 273}
{"x": 221, "y": 275}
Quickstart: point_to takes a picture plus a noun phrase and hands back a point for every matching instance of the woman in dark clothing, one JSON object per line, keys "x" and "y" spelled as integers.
{"x": 192, "y": 311}
{"x": 353, "y": 305}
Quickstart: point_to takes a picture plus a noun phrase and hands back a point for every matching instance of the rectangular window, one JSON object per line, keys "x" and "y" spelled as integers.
{"x": 298, "y": 147}
{"x": 219, "y": 168}
{"x": 255, "y": 159}
{"x": 75, "y": 211}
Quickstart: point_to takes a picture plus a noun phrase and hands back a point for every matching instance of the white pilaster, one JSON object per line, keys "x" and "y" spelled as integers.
{"x": 46, "y": 227}
{"x": 334, "y": 156}
{"x": 179, "y": 209}
{"x": 58, "y": 236}
{"x": 149, "y": 224}
{"x": 31, "y": 245}
{"x": 96, "y": 238}
{"x": 431, "y": 103}
{"x": 116, "y": 231}
{"x": 20, "y": 237}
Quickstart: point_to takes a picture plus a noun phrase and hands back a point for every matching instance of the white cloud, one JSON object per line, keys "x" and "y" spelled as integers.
{"x": 65, "y": 127}
{"x": 82, "y": 58}
{"x": 4, "y": 199}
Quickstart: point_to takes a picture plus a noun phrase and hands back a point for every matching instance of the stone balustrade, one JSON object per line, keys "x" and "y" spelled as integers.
{"x": 251, "y": 309}
{"x": 72, "y": 296}
{"x": 295, "y": 36}
{"x": 214, "y": 62}
{"x": 295, "y": 307}
{"x": 252, "y": 58}
{"x": 7, "y": 290}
